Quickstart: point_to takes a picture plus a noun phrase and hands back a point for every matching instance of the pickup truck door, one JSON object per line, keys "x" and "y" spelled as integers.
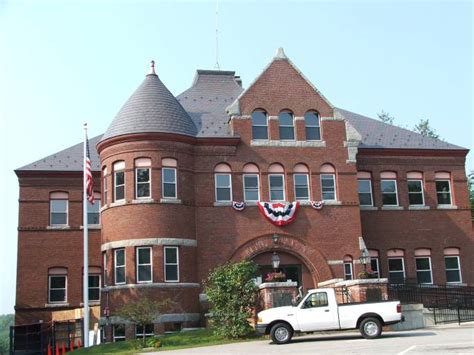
{"x": 316, "y": 313}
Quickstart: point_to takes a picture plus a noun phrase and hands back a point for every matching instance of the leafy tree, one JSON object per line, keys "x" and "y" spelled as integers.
{"x": 6, "y": 320}
{"x": 144, "y": 311}
{"x": 385, "y": 117}
{"x": 232, "y": 292}
{"x": 423, "y": 127}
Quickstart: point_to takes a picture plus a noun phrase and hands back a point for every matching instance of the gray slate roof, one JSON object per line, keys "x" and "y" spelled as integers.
{"x": 206, "y": 100}
{"x": 377, "y": 134}
{"x": 151, "y": 108}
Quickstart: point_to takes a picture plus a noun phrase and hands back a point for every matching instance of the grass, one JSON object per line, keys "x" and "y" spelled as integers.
{"x": 182, "y": 340}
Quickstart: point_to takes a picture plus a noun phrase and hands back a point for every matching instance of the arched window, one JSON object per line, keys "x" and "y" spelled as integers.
{"x": 251, "y": 181}
{"x": 374, "y": 262}
{"x": 276, "y": 181}
{"x": 348, "y": 272}
{"x": 105, "y": 188}
{"x": 259, "y": 125}
{"x": 415, "y": 188}
{"x": 423, "y": 266}
{"x": 286, "y": 124}
{"x": 119, "y": 180}
{"x": 223, "y": 183}
{"x": 169, "y": 178}
{"x": 142, "y": 178}
{"x": 388, "y": 185}
{"x": 452, "y": 264}
{"x": 312, "y": 126}
{"x": 443, "y": 188}
{"x": 57, "y": 285}
{"x": 328, "y": 182}
{"x": 58, "y": 208}
{"x": 364, "y": 185}
{"x": 396, "y": 265}
{"x": 301, "y": 182}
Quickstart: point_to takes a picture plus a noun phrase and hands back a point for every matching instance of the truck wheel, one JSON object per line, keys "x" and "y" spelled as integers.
{"x": 281, "y": 333}
{"x": 370, "y": 328}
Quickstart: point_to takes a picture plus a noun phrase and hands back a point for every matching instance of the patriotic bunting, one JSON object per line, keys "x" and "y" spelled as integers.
{"x": 317, "y": 205}
{"x": 238, "y": 206}
{"x": 279, "y": 214}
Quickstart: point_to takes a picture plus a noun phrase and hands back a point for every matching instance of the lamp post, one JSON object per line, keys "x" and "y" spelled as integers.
{"x": 275, "y": 260}
{"x": 364, "y": 259}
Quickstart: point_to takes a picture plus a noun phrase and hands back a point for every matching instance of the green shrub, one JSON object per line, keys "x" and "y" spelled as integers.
{"x": 232, "y": 293}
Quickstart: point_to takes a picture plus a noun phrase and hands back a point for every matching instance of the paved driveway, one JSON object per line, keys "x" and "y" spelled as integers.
{"x": 437, "y": 340}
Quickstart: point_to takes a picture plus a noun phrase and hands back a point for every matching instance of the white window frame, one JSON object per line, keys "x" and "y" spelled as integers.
{"x": 142, "y": 183}
{"x": 333, "y": 175}
{"x": 51, "y": 211}
{"x": 403, "y": 265}
{"x": 377, "y": 261}
{"x": 370, "y": 191}
{"x": 138, "y": 265}
{"x": 422, "y": 192}
{"x": 121, "y": 337}
{"x": 223, "y": 187}
{"x": 258, "y": 187}
{"x": 307, "y": 186}
{"x": 165, "y": 263}
{"x": 259, "y": 125}
{"x": 65, "y": 289}
{"x": 98, "y": 287}
{"x": 140, "y": 335}
{"x": 450, "y": 193}
{"x": 270, "y": 187}
{"x": 105, "y": 189}
{"x": 351, "y": 270}
{"x": 396, "y": 191}
{"x": 287, "y": 126}
{"x": 163, "y": 182}
{"x": 104, "y": 267}
{"x": 124, "y": 266}
{"x": 117, "y": 186}
{"x": 313, "y": 126}
{"x": 458, "y": 270}
{"x": 431, "y": 270}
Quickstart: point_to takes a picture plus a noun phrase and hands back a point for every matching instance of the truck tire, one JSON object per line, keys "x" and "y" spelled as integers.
{"x": 370, "y": 328}
{"x": 281, "y": 333}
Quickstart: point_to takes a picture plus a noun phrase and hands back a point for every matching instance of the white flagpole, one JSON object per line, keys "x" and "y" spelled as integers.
{"x": 85, "y": 283}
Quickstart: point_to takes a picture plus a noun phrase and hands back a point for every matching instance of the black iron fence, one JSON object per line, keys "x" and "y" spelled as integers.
{"x": 453, "y": 315}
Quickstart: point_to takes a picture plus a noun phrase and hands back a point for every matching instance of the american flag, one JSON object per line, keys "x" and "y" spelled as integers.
{"x": 89, "y": 178}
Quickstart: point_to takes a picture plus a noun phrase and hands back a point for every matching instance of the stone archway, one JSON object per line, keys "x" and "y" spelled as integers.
{"x": 309, "y": 256}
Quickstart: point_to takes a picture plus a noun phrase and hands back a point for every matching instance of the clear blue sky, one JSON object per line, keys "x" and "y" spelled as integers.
{"x": 64, "y": 63}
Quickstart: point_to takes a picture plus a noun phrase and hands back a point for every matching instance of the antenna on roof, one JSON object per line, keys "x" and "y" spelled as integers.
{"x": 216, "y": 66}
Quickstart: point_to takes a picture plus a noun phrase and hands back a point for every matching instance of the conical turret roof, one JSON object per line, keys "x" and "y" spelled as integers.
{"x": 152, "y": 108}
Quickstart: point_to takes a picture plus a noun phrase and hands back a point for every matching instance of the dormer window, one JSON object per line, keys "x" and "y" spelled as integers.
{"x": 259, "y": 125}
{"x": 287, "y": 128}
{"x": 312, "y": 126}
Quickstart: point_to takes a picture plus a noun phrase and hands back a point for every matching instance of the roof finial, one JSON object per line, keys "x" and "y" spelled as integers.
{"x": 152, "y": 68}
{"x": 280, "y": 54}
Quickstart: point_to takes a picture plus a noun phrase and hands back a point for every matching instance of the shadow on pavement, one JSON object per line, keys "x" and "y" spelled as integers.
{"x": 356, "y": 336}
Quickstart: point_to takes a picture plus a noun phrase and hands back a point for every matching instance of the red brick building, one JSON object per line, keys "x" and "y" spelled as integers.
{"x": 167, "y": 170}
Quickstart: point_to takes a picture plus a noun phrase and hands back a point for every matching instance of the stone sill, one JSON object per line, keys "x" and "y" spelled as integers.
{"x": 329, "y": 282}
{"x": 418, "y": 208}
{"x": 223, "y": 203}
{"x": 332, "y": 203}
{"x": 277, "y": 284}
{"x": 361, "y": 282}
{"x": 446, "y": 207}
{"x": 143, "y": 200}
{"x": 92, "y": 226}
{"x": 118, "y": 203}
{"x": 279, "y": 143}
{"x": 56, "y": 305}
{"x": 174, "y": 201}
{"x": 91, "y": 303}
{"x": 59, "y": 227}
{"x": 368, "y": 208}
{"x": 392, "y": 208}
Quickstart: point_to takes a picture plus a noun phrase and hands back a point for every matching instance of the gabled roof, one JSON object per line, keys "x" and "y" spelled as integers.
{"x": 377, "y": 134}
{"x": 151, "y": 108}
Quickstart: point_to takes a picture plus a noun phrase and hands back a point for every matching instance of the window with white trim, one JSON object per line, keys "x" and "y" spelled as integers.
{"x": 119, "y": 332}
{"x": 104, "y": 267}
{"x": 57, "y": 290}
{"x": 144, "y": 331}
{"x": 286, "y": 125}
{"x": 105, "y": 188}
{"x": 443, "y": 192}
{"x": 58, "y": 207}
{"x": 94, "y": 288}
{"x": 93, "y": 210}
{"x": 223, "y": 187}
{"x": 142, "y": 183}
{"x": 312, "y": 126}
{"x": 119, "y": 266}
{"x": 415, "y": 192}
{"x": 348, "y": 275}
{"x": 365, "y": 192}
{"x": 259, "y": 125}
{"x": 171, "y": 260}
{"x": 389, "y": 192}
{"x": 277, "y": 187}
{"x": 453, "y": 269}
{"x": 169, "y": 182}
{"x": 301, "y": 182}
{"x": 251, "y": 187}
{"x": 374, "y": 266}
{"x": 396, "y": 269}
{"x": 423, "y": 270}
{"x": 144, "y": 265}
{"x": 328, "y": 187}
{"x": 119, "y": 181}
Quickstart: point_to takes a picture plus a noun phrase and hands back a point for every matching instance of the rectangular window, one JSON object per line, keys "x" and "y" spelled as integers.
{"x": 328, "y": 187}
{"x": 365, "y": 192}
{"x": 348, "y": 271}
{"x": 171, "y": 264}
{"x": 259, "y": 125}
{"x": 251, "y": 187}
{"x": 59, "y": 212}
{"x": 105, "y": 189}
{"x": 301, "y": 182}
{"x": 119, "y": 332}
{"x": 443, "y": 192}
{"x": 223, "y": 187}
{"x": 374, "y": 266}
{"x": 389, "y": 192}
{"x": 94, "y": 287}
{"x": 144, "y": 331}
{"x": 277, "y": 187}
{"x": 144, "y": 265}
{"x": 453, "y": 269}
{"x": 169, "y": 183}
{"x": 415, "y": 193}
{"x": 423, "y": 270}
{"x": 93, "y": 212}
{"x": 396, "y": 270}
{"x": 119, "y": 185}
{"x": 104, "y": 267}
{"x": 142, "y": 183}
{"x": 119, "y": 266}
{"x": 57, "y": 289}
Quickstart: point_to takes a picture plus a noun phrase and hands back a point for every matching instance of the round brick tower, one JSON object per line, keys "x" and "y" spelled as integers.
{"x": 148, "y": 227}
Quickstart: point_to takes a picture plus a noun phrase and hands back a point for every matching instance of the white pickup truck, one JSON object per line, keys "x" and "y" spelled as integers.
{"x": 318, "y": 310}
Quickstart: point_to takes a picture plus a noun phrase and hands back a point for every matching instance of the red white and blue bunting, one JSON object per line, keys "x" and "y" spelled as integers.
{"x": 238, "y": 206}
{"x": 317, "y": 205}
{"x": 280, "y": 214}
